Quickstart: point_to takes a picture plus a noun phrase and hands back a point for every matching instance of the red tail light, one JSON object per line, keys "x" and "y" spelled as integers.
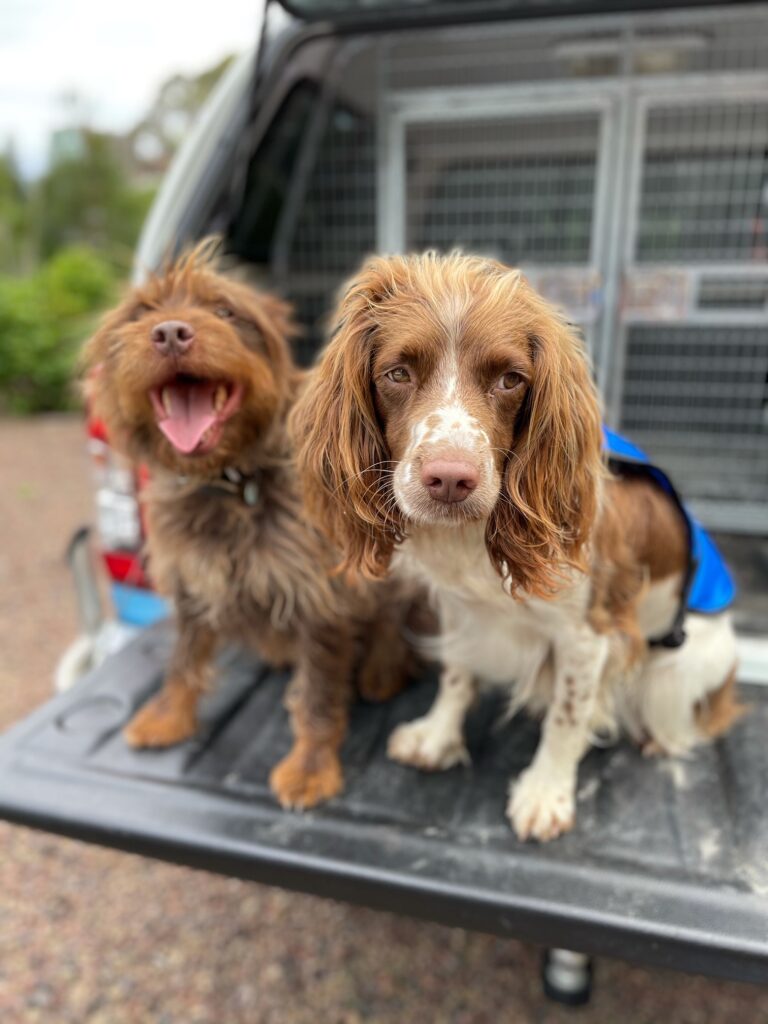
{"x": 118, "y": 513}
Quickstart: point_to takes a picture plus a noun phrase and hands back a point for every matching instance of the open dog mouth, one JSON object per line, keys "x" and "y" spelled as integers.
{"x": 191, "y": 411}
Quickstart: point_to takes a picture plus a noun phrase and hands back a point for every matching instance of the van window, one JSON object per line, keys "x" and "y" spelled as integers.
{"x": 252, "y": 228}
{"x": 308, "y": 214}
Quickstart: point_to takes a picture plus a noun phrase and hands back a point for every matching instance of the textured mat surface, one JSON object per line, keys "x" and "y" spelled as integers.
{"x": 668, "y": 862}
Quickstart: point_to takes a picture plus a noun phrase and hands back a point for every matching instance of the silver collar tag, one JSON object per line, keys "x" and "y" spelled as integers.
{"x": 251, "y": 493}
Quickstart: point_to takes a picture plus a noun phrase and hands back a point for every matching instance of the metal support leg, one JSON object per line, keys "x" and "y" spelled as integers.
{"x": 567, "y": 976}
{"x": 79, "y": 656}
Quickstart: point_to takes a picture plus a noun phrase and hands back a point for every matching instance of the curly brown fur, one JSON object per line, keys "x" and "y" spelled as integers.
{"x": 237, "y": 573}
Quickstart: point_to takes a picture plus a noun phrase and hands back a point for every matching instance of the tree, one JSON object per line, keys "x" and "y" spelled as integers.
{"x": 14, "y": 216}
{"x": 44, "y": 317}
{"x": 85, "y": 198}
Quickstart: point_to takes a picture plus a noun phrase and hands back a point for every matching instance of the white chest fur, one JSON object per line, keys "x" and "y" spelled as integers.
{"x": 498, "y": 638}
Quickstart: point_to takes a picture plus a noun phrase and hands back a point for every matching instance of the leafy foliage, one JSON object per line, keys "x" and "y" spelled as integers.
{"x": 85, "y": 198}
{"x": 66, "y": 241}
{"x": 15, "y": 215}
{"x": 63, "y": 246}
{"x": 43, "y": 318}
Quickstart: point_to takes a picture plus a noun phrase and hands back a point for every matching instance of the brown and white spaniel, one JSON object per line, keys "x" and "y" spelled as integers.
{"x": 452, "y": 422}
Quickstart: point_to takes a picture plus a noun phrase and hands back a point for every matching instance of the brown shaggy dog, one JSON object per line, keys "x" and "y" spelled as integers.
{"x": 194, "y": 378}
{"x": 467, "y": 435}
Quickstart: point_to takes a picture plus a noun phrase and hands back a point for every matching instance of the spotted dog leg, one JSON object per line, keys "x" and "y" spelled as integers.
{"x": 436, "y": 741}
{"x": 542, "y": 800}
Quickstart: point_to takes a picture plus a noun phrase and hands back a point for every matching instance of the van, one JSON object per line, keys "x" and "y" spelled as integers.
{"x": 618, "y": 152}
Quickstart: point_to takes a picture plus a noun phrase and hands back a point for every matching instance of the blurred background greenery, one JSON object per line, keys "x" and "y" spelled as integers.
{"x": 66, "y": 239}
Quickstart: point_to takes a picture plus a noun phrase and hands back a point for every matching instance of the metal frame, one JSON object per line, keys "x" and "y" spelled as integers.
{"x": 623, "y": 103}
{"x": 665, "y": 92}
{"x": 625, "y": 21}
{"x": 696, "y": 275}
{"x": 310, "y": 145}
{"x": 403, "y": 109}
{"x": 655, "y": 94}
{"x": 638, "y": 95}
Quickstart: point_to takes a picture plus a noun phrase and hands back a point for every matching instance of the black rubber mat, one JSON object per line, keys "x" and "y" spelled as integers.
{"x": 668, "y": 863}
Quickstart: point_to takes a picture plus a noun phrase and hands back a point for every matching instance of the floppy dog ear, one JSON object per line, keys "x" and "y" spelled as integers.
{"x": 95, "y": 350}
{"x": 280, "y": 314}
{"x": 551, "y": 482}
{"x": 93, "y": 357}
{"x": 341, "y": 451}
{"x": 272, "y": 317}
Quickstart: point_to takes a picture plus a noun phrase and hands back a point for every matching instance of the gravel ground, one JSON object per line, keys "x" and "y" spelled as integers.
{"x": 89, "y": 936}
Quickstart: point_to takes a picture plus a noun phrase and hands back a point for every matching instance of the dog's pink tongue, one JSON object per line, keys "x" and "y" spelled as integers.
{"x": 191, "y": 405}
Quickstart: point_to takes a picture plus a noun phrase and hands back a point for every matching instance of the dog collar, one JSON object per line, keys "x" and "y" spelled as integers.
{"x": 245, "y": 486}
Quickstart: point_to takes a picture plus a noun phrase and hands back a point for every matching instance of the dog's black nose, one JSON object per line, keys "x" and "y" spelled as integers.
{"x": 172, "y": 337}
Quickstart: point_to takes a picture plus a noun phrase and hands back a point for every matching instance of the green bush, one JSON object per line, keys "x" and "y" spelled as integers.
{"x": 43, "y": 320}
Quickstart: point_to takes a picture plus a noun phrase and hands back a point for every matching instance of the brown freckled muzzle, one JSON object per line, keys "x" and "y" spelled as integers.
{"x": 442, "y": 481}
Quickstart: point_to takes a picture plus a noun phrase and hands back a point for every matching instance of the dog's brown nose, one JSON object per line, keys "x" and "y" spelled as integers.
{"x": 449, "y": 481}
{"x": 172, "y": 337}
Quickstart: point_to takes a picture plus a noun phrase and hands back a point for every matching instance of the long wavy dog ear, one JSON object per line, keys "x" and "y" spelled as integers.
{"x": 551, "y": 483}
{"x": 274, "y": 320}
{"x": 95, "y": 380}
{"x": 341, "y": 451}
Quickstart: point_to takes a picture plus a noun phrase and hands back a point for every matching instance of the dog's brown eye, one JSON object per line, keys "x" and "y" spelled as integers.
{"x": 224, "y": 312}
{"x": 508, "y": 382}
{"x": 399, "y": 375}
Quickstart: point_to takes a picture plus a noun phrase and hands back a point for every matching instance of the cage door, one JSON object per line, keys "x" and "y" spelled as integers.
{"x": 522, "y": 182}
{"x": 694, "y": 368}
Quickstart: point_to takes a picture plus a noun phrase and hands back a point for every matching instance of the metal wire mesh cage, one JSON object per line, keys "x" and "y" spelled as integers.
{"x": 621, "y": 160}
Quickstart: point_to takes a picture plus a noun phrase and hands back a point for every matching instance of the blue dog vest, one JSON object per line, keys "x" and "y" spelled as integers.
{"x": 708, "y": 587}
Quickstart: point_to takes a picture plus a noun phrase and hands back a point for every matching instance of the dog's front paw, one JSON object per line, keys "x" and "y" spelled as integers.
{"x": 541, "y": 806}
{"x": 426, "y": 746}
{"x": 165, "y": 720}
{"x": 306, "y": 777}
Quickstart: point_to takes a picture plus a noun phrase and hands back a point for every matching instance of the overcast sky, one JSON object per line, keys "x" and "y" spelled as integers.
{"x": 111, "y": 54}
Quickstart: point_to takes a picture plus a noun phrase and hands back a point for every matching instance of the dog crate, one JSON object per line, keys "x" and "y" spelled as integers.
{"x": 621, "y": 160}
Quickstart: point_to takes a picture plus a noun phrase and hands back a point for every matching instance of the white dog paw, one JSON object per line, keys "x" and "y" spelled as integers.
{"x": 541, "y": 806}
{"x": 423, "y": 745}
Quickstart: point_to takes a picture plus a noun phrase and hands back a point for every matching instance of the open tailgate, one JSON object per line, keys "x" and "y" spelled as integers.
{"x": 668, "y": 863}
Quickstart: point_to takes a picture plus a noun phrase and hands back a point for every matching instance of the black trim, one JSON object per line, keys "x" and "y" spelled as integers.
{"x": 434, "y": 846}
{"x": 391, "y": 20}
